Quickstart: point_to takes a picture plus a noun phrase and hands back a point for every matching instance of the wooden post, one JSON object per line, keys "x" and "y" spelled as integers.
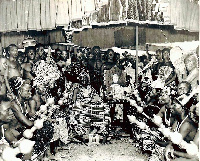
{"x": 126, "y": 9}
{"x": 136, "y": 71}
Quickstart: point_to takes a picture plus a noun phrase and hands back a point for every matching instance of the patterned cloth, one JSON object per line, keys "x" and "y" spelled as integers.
{"x": 60, "y": 126}
{"x": 60, "y": 130}
{"x": 46, "y": 73}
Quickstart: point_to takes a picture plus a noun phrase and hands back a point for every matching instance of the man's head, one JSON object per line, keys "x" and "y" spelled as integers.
{"x": 165, "y": 97}
{"x": 25, "y": 90}
{"x": 98, "y": 63}
{"x": 190, "y": 62}
{"x": 21, "y": 57}
{"x": 40, "y": 49}
{"x": 30, "y": 51}
{"x": 166, "y": 54}
{"x": 79, "y": 54}
{"x": 84, "y": 62}
{"x": 13, "y": 50}
{"x": 110, "y": 54}
{"x": 96, "y": 50}
{"x": 90, "y": 55}
{"x": 115, "y": 78}
{"x": 64, "y": 55}
{"x": 184, "y": 88}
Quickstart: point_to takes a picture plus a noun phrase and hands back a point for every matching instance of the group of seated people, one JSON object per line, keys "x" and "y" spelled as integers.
{"x": 174, "y": 100}
{"x": 29, "y": 78}
{"x": 76, "y": 80}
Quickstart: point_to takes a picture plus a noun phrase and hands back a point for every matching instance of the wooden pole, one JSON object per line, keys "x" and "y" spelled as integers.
{"x": 126, "y": 9}
{"x": 136, "y": 71}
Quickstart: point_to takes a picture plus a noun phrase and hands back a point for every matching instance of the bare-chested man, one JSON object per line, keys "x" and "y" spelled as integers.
{"x": 15, "y": 113}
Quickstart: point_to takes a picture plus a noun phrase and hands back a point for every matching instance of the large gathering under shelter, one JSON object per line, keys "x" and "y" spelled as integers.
{"x": 99, "y": 75}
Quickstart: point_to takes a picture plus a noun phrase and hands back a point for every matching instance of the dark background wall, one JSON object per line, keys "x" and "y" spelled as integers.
{"x": 125, "y": 36}
{"x": 44, "y": 37}
{"x": 105, "y": 37}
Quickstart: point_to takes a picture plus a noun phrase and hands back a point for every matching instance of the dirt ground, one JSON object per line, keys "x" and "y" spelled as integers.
{"x": 117, "y": 150}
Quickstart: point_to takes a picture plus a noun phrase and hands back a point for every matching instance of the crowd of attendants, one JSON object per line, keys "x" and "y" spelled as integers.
{"x": 175, "y": 100}
{"x": 163, "y": 101}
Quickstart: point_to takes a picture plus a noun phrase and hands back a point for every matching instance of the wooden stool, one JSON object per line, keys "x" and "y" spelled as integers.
{"x": 93, "y": 139}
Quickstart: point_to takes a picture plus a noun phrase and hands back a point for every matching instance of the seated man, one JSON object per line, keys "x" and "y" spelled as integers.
{"x": 175, "y": 113}
{"x": 189, "y": 131}
{"x": 82, "y": 91}
{"x": 166, "y": 110}
{"x": 181, "y": 112}
{"x": 15, "y": 113}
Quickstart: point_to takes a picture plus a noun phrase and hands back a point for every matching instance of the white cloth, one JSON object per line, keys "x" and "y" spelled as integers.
{"x": 117, "y": 91}
{"x": 60, "y": 130}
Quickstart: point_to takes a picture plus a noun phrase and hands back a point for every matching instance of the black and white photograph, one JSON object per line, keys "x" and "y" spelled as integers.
{"x": 99, "y": 80}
